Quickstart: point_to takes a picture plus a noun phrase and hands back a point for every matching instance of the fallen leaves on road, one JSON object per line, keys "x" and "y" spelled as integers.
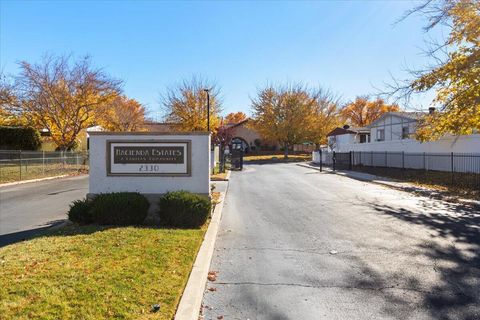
{"x": 212, "y": 275}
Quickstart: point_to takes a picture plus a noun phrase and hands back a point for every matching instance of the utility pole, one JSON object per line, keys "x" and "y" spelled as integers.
{"x": 208, "y": 108}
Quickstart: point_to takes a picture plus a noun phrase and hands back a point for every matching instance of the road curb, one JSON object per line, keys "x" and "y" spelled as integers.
{"x": 227, "y": 177}
{"x": 32, "y": 180}
{"x": 400, "y": 186}
{"x": 191, "y": 300}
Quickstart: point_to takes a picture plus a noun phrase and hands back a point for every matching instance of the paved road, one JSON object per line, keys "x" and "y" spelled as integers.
{"x": 26, "y": 209}
{"x": 297, "y": 244}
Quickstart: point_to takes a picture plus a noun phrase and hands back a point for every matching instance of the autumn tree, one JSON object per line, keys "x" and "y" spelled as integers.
{"x": 284, "y": 114}
{"x": 223, "y": 137}
{"x": 326, "y": 116}
{"x": 455, "y": 74}
{"x": 8, "y": 100}
{"x": 362, "y": 112}
{"x": 122, "y": 114}
{"x": 62, "y": 96}
{"x": 235, "y": 117}
{"x": 185, "y": 104}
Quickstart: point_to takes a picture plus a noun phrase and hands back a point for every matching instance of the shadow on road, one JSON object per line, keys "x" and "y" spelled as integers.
{"x": 457, "y": 295}
{"x": 10, "y": 238}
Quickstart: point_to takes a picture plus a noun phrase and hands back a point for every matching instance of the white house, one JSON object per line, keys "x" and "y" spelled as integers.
{"x": 347, "y": 135}
{"x": 393, "y": 126}
{"x": 395, "y": 132}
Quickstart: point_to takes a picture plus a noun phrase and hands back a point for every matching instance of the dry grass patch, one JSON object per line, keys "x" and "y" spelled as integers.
{"x": 219, "y": 176}
{"x": 278, "y": 158}
{"x": 463, "y": 185}
{"x": 12, "y": 173}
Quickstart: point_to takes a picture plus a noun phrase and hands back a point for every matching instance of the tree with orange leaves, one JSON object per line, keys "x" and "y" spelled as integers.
{"x": 235, "y": 117}
{"x": 122, "y": 114}
{"x": 362, "y": 112}
{"x": 60, "y": 95}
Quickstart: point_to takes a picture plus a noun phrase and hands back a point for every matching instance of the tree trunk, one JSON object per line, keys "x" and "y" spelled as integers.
{"x": 285, "y": 151}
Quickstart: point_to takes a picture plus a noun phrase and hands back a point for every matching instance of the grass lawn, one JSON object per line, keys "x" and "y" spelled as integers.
{"x": 278, "y": 158}
{"x": 93, "y": 272}
{"x": 12, "y": 173}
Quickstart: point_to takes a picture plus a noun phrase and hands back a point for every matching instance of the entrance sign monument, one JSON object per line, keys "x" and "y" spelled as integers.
{"x": 153, "y": 158}
{"x": 149, "y": 163}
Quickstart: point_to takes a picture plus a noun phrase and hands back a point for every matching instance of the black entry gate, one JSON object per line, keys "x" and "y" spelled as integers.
{"x": 336, "y": 160}
{"x": 342, "y": 161}
{"x": 236, "y": 159}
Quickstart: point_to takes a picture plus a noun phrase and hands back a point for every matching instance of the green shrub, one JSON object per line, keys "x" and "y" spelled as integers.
{"x": 80, "y": 211}
{"x": 120, "y": 208}
{"x": 19, "y": 138}
{"x": 182, "y": 209}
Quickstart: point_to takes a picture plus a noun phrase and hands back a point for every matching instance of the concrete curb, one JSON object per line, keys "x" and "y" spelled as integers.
{"x": 191, "y": 300}
{"x": 33, "y": 180}
{"x": 227, "y": 177}
{"x": 386, "y": 182}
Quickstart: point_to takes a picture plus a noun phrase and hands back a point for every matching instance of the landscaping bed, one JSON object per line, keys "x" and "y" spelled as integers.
{"x": 95, "y": 272}
{"x": 463, "y": 185}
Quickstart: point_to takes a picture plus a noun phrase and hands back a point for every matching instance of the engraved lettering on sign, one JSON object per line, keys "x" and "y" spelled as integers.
{"x": 144, "y": 154}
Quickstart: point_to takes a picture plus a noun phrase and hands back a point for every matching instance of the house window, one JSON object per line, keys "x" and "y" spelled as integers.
{"x": 381, "y": 135}
{"x": 363, "y": 138}
{"x": 405, "y": 133}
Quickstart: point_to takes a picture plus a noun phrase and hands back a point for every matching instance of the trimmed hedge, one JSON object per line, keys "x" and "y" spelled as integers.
{"x": 182, "y": 209}
{"x": 19, "y": 138}
{"x": 120, "y": 208}
{"x": 80, "y": 212}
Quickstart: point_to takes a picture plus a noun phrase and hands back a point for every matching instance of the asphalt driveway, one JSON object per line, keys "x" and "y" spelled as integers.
{"x": 297, "y": 244}
{"x": 29, "y": 208}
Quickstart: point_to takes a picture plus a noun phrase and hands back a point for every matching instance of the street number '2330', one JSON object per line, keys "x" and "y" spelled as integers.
{"x": 149, "y": 168}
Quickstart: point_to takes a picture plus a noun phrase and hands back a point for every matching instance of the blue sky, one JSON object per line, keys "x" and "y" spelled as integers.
{"x": 349, "y": 47}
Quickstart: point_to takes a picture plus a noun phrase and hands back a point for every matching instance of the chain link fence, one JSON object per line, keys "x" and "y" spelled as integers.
{"x": 18, "y": 165}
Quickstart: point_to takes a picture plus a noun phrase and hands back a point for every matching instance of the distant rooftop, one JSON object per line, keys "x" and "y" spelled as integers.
{"x": 407, "y": 114}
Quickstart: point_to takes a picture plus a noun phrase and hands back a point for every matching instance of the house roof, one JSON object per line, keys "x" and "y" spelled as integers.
{"x": 351, "y": 130}
{"x": 233, "y": 125}
{"x": 403, "y": 114}
{"x": 409, "y": 115}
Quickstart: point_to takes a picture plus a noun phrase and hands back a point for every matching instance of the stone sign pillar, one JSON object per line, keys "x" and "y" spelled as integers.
{"x": 149, "y": 163}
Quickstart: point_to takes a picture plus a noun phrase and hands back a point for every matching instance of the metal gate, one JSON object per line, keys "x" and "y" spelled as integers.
{"x": 236, "y": 159}
{"x": 336, "y": 160}
{"x": 342, "y": 161}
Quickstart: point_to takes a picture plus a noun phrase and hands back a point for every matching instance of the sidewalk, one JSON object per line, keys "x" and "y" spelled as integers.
{"x": 402, "y": 186}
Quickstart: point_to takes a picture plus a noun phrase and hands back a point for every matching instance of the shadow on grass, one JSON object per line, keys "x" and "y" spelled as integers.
{"x": 69, "y": 230}
{"x": 457, "y": 261}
